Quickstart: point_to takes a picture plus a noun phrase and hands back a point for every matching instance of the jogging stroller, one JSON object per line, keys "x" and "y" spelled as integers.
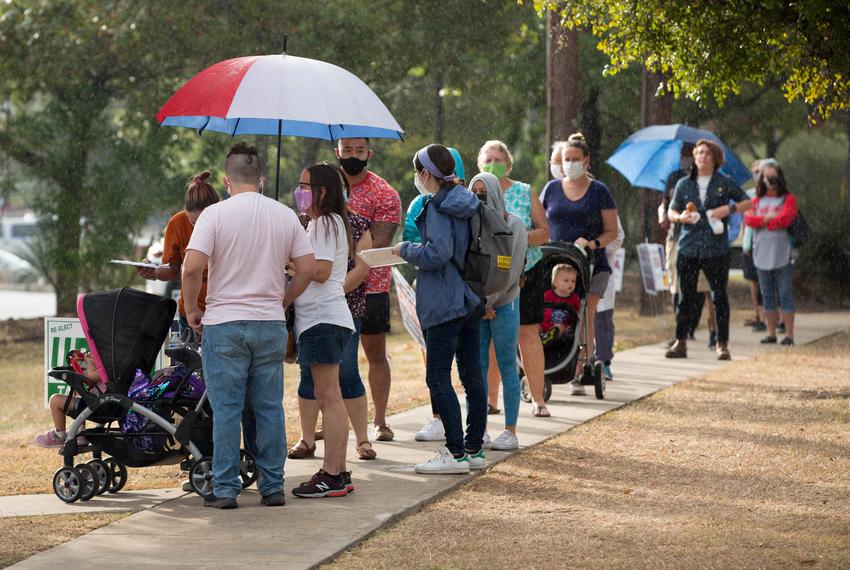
{"x": 562, "y": 358}
{"x": 125, "y": 329}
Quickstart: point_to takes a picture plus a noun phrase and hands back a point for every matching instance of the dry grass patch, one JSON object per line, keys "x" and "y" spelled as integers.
{"x": 44, "y": 532}
{"x": 745, "y": 467}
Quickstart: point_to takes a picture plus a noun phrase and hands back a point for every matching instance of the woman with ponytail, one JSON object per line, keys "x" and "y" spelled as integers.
{"x": 199, "y": 195}
{"x": 448, "y": 309}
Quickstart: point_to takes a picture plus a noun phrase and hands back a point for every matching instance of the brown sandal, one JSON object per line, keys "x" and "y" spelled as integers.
{"x": 301, "y": 451}
{"x": 366, "y": 453}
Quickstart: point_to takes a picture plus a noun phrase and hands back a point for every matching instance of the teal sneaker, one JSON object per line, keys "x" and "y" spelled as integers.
{"x": 475, "y": 460}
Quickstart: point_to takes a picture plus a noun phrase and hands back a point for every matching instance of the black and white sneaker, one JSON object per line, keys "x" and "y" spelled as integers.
{"x": 322, "y": 485}
{"x": 346, "y": 478}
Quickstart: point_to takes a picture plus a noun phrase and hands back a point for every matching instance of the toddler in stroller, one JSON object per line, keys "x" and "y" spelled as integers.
{"x": 62, "y": 406}
{"x": 565, "y": 313}
{"x": 561, "y": 307}
{"x": 125, "y": 330}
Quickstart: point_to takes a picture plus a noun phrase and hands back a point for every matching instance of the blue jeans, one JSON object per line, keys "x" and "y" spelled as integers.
{"x": 604, "y": 332}
{"x": 778, "y": 282}
{"x": 350, "y": 383}
{"x": 249, "y": 424}
{"x": 243, "y": 367}
{"x": 443, "y": 342}
{"x": 504, "y": 331}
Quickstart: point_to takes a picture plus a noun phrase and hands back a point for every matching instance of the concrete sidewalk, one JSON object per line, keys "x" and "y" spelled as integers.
{"x": 305, "y": 533}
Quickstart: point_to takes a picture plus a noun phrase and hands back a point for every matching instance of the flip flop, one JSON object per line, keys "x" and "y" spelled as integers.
{"x": 491, "y": 409}
{"x": 541, "y": 412}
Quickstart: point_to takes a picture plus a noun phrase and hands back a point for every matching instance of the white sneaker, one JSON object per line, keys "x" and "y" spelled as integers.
{"x": 487, "y": 441}
{"x": 431, "y": 431}
{"x": 443, "y": 463}
{"x": 576, "y": 389}
{"x": 505, "y": 441}
{"x": 476, "y": 461}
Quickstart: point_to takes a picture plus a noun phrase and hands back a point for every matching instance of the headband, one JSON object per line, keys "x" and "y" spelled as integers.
{"x": 426, "y": 163}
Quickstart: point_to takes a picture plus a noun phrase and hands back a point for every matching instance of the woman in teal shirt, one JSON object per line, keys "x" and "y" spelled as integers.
{"x": 521, "y": 200}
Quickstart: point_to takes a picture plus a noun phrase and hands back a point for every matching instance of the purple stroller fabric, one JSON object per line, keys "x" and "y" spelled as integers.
{"x": 162, "y": 385}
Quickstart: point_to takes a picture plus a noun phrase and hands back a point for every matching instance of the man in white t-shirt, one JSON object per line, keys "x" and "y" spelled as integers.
{"x": 247, "y": 241}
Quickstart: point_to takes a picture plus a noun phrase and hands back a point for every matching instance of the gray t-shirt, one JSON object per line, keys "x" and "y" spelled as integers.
{"x": 771, "y": 248}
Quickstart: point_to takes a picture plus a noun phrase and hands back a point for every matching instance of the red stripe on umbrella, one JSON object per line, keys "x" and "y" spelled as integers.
{"x": 210, "y": 92}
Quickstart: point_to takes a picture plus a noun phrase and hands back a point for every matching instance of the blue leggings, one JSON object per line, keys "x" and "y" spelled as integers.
{"x": 504, "y": 331}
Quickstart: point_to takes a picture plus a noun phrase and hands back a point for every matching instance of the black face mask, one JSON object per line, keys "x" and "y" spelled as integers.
{"x": 353, "y": 165}
{"x": 482, "y": 197}
{"x": 772, "y": 181}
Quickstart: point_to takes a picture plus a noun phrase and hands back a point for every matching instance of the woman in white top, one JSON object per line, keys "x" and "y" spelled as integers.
{"x": 323, "y": 322}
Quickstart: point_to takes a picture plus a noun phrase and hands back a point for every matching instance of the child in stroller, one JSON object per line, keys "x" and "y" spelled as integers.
{"x": 562, "y": 305}
{"x": 62, "y": 406}
{"x": 563, "y": 351}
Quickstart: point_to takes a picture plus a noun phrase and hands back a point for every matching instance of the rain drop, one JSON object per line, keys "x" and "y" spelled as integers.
{"x": 132, "y": 79}
{"x": 36, "y": 35}
{"x": 103, "y": 28}
{"x": 95, "y": 20}
{"x": 132, "y": 26}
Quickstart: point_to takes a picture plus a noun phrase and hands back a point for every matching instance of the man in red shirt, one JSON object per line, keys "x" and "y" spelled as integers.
{"x": 374, "y": 199}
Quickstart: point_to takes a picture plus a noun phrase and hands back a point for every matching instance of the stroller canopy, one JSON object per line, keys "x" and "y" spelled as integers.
{"x": 125, "y": 329}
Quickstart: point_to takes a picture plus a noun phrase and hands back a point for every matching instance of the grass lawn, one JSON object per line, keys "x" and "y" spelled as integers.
{"x": 45, "y": 532}
{"x": 744, "y": 467}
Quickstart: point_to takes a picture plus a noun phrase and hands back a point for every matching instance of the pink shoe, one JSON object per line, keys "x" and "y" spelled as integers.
{"x": 49, "y": 439}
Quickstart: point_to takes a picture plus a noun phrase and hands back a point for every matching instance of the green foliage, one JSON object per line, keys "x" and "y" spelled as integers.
{"x": 708, "y": 48}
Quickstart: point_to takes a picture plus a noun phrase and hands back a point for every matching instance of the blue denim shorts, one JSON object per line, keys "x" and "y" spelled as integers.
{"x": 350, "y": 383}
{"x": 322, "y": 344}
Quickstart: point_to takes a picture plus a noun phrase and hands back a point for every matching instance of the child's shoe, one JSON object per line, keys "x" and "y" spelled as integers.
{"x": 50, "y": 439}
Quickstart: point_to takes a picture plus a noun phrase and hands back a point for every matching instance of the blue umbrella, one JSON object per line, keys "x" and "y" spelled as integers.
{"x": 648, "y": 157}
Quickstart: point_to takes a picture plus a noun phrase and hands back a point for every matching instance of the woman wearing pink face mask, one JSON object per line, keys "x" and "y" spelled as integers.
{"x": 317, "y": 197}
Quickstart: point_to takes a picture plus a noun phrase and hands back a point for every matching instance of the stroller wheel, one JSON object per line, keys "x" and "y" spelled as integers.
{"x": 524, "y": 390}
{"x": 247, "y": 468}
{"x": 117, "y": 473}
{"x": 104, "y": 476}
{"x": 599, "y": 380}
{"x": 67, "y": 484}
{"x": 201, "y": 476}
{"x": 90, "y": 484}
{"x": 547, "y": 390}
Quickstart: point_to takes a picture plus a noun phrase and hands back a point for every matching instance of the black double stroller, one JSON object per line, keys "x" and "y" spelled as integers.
{"x": 125, "y": 329}
{"x": 562, "y": 358}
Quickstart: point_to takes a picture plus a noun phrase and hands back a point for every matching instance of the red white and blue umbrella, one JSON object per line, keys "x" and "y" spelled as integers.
{"x": 279, "y": 95}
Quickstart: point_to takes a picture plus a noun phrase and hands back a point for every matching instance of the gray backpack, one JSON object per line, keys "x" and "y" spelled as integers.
{"x": 488, "y": 258}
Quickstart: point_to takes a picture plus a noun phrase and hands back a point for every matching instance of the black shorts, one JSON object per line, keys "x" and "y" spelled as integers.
{"x": 377, "y": 317}
{"x": 531, "y": 296}
{"x": 749, "y": 268}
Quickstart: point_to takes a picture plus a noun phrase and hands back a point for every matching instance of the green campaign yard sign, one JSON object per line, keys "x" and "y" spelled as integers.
{"x": 61, "y": 335}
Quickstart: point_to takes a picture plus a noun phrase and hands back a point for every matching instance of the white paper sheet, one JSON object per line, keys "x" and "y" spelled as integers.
{"x": 380, "y": 257}
{"x": 136, "y": 263}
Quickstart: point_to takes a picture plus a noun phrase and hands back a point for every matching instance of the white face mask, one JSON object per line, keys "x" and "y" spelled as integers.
{"x": 573, "y": 170}
{"x": 557, "y": 171}
{"x": 420, "y": 186}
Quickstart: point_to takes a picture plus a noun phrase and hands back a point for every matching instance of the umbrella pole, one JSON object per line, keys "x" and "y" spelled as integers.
{"x": 277, "y": 168}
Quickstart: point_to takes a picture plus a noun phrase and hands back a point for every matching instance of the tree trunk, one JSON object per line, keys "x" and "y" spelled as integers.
{"x": 563, "y": 69}
{"x": 591, "y": 126}
{"x": 655, "y": 110}
{"x": 439, "y": 108}
{"x": 845, "y": 187}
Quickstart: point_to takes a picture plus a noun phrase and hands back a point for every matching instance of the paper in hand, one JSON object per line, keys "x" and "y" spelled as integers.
{"x": 136, "y": 263}
{"x": 380, "y": 257}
